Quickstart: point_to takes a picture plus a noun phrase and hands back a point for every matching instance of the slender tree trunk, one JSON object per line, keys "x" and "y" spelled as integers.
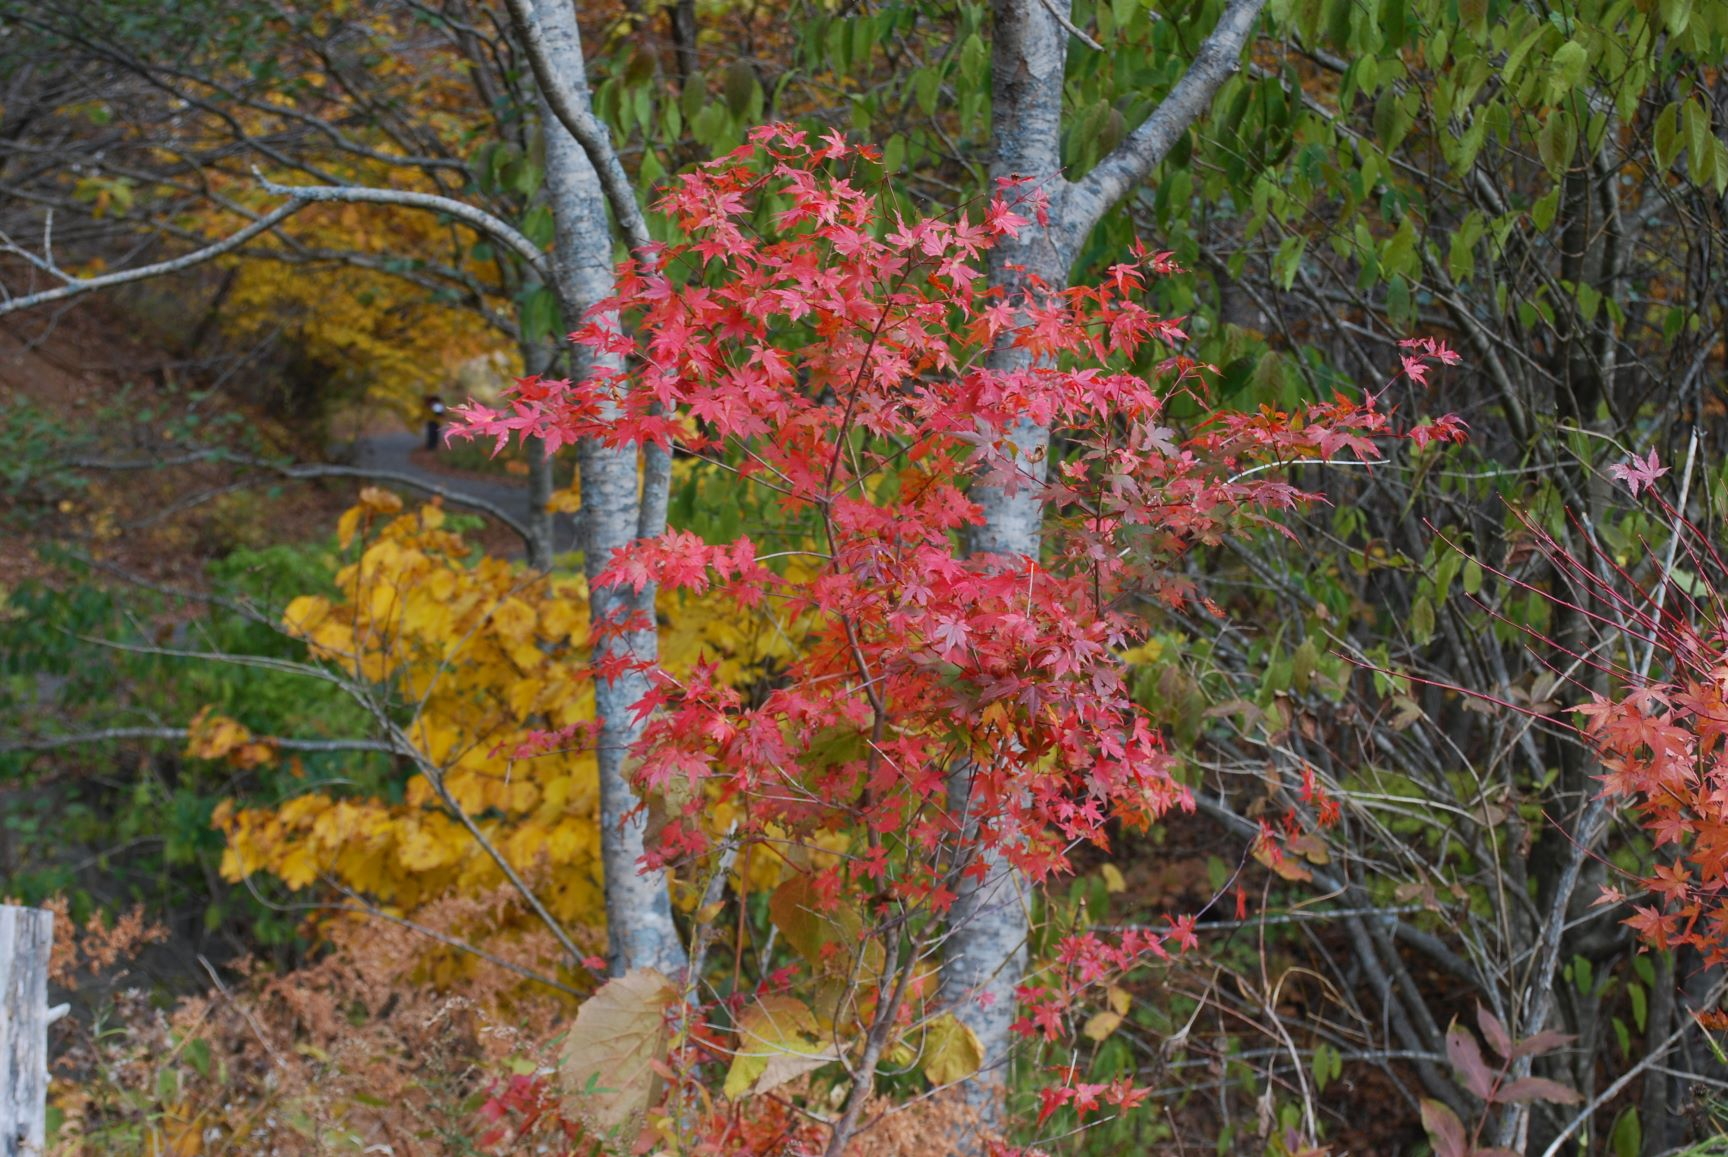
{"x": 984, "y": 956}
{"x": 638, "y": 910}
{"x": 985, "y": 952}
{"x": 542, "y": 543}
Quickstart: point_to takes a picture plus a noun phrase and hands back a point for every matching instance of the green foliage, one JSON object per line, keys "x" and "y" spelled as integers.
{"x": 128, "y": 822}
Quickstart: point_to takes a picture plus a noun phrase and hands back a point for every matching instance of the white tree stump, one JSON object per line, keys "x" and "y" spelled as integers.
{"x": 26, "y": 938}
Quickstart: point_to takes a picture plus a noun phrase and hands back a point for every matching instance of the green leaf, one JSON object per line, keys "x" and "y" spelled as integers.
{"x": 1542, "y": 212}
{"x": 926, "y": 87}
{"x": 538, "y": 226}
{"x": 1461, "y": 249}
{"x": 739, "y": 86}
{"x": 1326, "y": 1064}
{"x": 1640, "y": 1004}
{"x": 1470, "y": 143}
{"x": 694, "y": 96}
{"x": 1557, "y": 140}
{"x": 1667, "y": 137}
{"x": 1288, "y": 259}
{"x": 1566, "y": 69}
{"x": 538, "y": 315}
{"x": 1422, "y": 620}
{"x": 894, "y": 153}
{"x": 1703, "y": 164}
{"x": 1472, "y": 576}
{"x": 198, "y": 1055}
{"x": 1515, "y": 58}
{"x": 1399, "y": 255}
{"x": 973, "y": 57}
{"x": 523, "y": 177}
{"x": 1676, "y": 14}
{"x": 1302, "y": 664}
{"x": 1697, "y": 124}
{"x": 1398, "y": 301}
{"x": 1583, "y": 974}
{"x": 1626, "y": 1139}
{"x": 1444, "y": 572}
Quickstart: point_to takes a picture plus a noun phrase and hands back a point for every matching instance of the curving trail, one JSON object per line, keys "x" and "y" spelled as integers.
{"x": 393, "y": 452}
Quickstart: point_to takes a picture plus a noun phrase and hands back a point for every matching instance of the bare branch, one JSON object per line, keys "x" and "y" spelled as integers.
{"x": 74, "y": 286}
{"x": 1626, "y": 1078}
{"x": 317, "y": 470}
{"x": 1073, "y": 29}
{"x": 479, "y": 219}
{"x": 179, "y": 735}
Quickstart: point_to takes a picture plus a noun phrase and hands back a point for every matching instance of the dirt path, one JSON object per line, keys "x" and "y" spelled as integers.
{"x": 394, "y": 452}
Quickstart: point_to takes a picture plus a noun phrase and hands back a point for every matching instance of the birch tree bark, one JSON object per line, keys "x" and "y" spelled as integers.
{"x": 985, "y": 952}
{"x": 638, "y": 909}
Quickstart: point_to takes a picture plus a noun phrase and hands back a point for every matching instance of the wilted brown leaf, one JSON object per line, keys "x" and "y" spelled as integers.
{"x": 620, "y": 1033}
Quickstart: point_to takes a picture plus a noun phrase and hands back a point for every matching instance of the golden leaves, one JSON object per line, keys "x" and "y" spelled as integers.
{"x": 779, "y": 1040}
{"x": 484, "y": 654}
{"x": 211, "y": 736}
{"x": 952, "y": 1051}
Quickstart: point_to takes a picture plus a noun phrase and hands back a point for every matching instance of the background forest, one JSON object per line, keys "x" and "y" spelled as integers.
{"x": 1099, "y": 577}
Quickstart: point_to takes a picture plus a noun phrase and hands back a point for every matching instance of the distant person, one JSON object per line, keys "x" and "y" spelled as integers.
{"x": 434, "y": 420}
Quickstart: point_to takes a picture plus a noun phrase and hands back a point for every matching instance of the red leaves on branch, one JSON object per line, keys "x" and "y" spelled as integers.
{"x": 1661, "y": 751}
{"x": 840, "y": 359}
{"x": 1638, "y": 473}
{"x": 1660, "y": 738}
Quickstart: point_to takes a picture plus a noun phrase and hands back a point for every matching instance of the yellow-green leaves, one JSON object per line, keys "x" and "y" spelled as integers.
{"x": 1567, "y": 69}
{"x": 779, "y": 1040}
{"x": 951, "y": 1051}
{"x": 826, "y": 934}
{"x": 1104, "y": 1023}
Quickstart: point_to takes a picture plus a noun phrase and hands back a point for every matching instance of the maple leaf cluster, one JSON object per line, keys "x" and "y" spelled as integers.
{"x": 840, "y": 357}
{"x": 1659, "y": 738}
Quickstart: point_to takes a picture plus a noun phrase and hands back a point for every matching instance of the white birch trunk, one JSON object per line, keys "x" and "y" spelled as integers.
{"x": 638, "y": 910}
{"x": 984, "y": 955}
{"x": 26, "y": 939}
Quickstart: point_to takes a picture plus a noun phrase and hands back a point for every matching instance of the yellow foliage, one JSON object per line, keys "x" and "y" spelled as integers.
{"x": 212, "y": 736}
{"x": 477, "y": 655}
{"x": 361, "y": 328}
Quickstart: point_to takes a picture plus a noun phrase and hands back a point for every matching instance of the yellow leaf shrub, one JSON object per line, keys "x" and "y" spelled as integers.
{"x": 469, "y": 656}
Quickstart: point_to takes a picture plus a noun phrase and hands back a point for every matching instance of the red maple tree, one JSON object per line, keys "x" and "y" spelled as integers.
{"x": 835, "y": 355}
